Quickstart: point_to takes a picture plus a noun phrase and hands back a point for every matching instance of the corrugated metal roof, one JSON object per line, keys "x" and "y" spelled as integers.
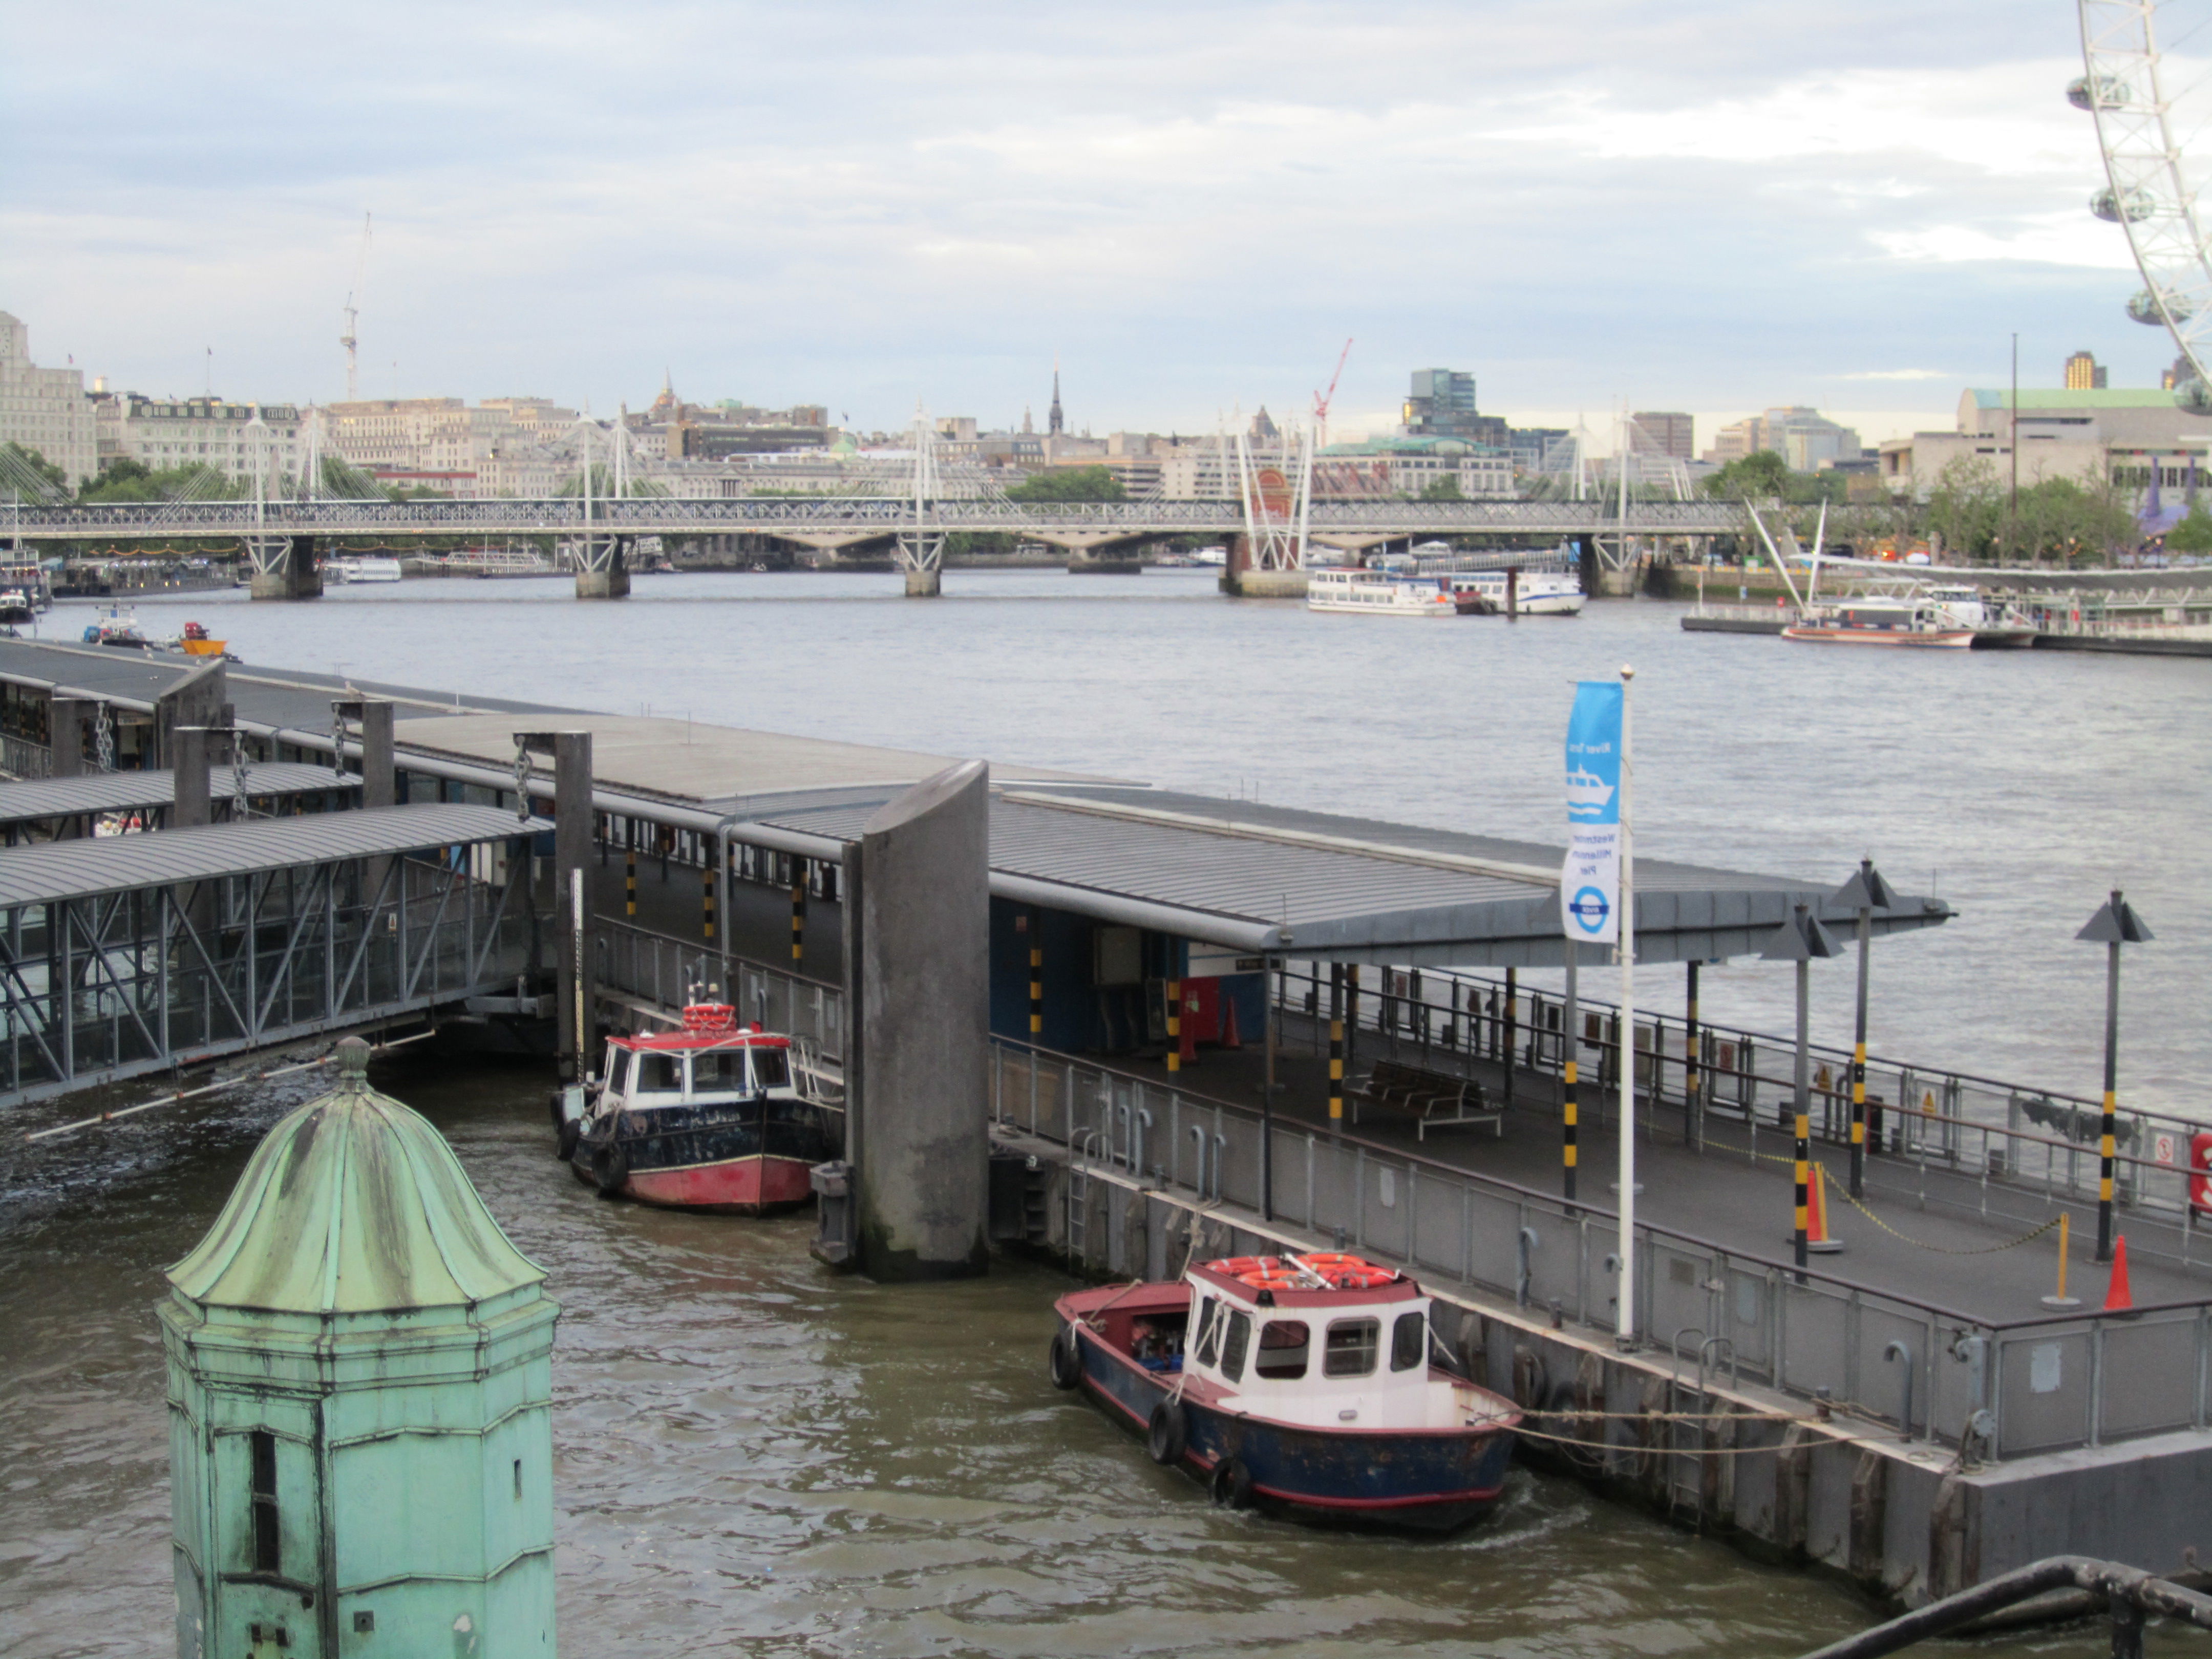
{"x": 121, "y": 792}
{"x": 73, "y": 869}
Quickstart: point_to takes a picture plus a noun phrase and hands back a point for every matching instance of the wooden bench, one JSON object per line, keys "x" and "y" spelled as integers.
{"x": 1431, "y": 1099}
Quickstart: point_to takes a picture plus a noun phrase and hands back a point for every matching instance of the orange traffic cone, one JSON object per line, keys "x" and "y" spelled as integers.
{"x": 1816, "y": 1216}
{"x": 2117, "y": 1295}
{"x": 1230, "y": 1036}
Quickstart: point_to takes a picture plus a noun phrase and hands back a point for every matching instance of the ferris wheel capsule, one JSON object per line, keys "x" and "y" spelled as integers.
{"x": 2132, "y": 207}
{"x": 2086, "y": 92}
{"x": 2144, "y": 309}
{"x": 2193, "y": 395}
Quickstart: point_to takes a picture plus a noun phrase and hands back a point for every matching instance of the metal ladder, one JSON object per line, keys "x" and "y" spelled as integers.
{"x": 1079, "y": 1198}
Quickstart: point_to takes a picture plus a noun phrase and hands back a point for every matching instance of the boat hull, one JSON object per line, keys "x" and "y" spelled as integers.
{"x": 1944, "y": 639}
{"x": 1426, "y": 1480}
{"x": 747, "y": 1158}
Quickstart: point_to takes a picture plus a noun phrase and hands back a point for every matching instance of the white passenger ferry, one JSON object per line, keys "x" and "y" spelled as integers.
{"x": 1386, "y": 594}
{"x": 1536, "y": 593}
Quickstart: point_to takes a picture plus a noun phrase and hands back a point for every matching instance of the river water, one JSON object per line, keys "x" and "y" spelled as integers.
{"x": 751, "y": 1454}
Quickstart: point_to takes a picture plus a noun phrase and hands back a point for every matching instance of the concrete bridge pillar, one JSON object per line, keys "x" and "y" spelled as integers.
{"x": 917, "y": 1079}
{"x": 925, "y": 584}
{"x": 604, "y": 573}
{"x": 286, "y": 572}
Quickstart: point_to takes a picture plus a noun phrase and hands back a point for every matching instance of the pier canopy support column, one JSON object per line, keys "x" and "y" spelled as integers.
{"x": 68, "y": 720}
{"x": 283, "y": 568}
{"x": 917, "y": 953}
{"x": 603, "y": 568}
{"x": 371, "y": 718}
{"x": 188, "y": 760}
{"x": 571, "y": 752}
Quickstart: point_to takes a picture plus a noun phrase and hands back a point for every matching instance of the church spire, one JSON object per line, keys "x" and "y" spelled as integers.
{"x": 1054, "y": 423}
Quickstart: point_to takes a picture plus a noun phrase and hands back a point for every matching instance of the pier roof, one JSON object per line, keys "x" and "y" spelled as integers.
{"x": 77, "y": 869}
{"x": 130, "y": 791}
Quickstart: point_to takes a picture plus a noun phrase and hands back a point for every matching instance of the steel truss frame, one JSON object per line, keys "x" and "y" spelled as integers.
{"x": 117, "y": 985}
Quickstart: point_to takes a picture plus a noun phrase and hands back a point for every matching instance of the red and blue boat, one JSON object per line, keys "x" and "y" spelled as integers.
{"x": 1303, "y": 1385}
{"x": 715, "y": 1116}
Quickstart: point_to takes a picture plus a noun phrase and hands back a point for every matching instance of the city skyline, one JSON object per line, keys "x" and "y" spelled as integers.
{"x": 1685, "y": 215}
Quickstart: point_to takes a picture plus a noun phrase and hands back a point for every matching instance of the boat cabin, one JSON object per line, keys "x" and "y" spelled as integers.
{"x": 712, "y": 1058}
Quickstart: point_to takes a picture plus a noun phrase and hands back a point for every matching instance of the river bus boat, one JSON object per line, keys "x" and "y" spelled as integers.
{"x": 361, "y": 568}
{"x": 1387, "y": 593}
{"x": 117, "y": 627}
{"x": 1536, "y": 592}
{"x": 1891, "y": 613}
{"x": 1305, "y": 1386}
{"x": 715, "y": 1116}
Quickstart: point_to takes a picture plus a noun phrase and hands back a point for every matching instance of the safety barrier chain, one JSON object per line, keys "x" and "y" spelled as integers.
{"x": 1843, "y": 1190}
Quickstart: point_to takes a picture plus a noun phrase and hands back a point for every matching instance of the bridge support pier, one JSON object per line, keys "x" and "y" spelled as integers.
{"x": 284, "y": 568}
{"x": 603, "y": 571}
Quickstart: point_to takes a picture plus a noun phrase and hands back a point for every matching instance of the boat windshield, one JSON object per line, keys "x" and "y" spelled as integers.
{"x": 1283, "y": 1345}
{"x": 1234, "y": 1344}
{"x": 1408, "y": 1342}
{"x": 658, "y": 1074}
{"x": 771, "y": 1068}
{"x": 717, "y": 1072}
{"x": 1350, "y": 1350}
{"x": 1209, "y": 1330}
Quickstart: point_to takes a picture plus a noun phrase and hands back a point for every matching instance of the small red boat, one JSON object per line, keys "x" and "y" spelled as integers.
{"x": 1303, "y": 1384}
{"x": 715, "y": 1116}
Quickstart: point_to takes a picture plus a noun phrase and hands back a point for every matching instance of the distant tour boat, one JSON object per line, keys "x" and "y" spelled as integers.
{"x": 1385, "y": 593}
{"x": 1536, "y": 593}
{"x": 1300, "y": 1384}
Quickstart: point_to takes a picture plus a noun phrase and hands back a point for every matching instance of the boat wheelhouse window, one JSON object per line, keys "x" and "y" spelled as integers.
{"x": 658, "y": 1073}
{"x": 1239, "y": 1338}
{"x": 717, "y": 1071}
{"x": 1209, "y": 1331}
{"x": 618, "y": 1070}
{"x": 771, "y": 1068}
{"x": 1408, "y": 1342}
{"x": 1350, "y": 1349}
{"x": 1283, "y": 1344}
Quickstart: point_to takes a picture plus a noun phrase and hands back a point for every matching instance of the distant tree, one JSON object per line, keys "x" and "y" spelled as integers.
{"x": 19, "y": 465}
{"x": 2194, "y": 533}
{"x": 1444, "y": 487}
{"x": 1761, "y": 476}
{"x": 1069, "y": 484}
{"x": 125, "y": 480}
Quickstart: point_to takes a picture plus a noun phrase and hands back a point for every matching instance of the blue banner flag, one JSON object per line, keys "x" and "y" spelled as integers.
{"x": 1590, "y": 882}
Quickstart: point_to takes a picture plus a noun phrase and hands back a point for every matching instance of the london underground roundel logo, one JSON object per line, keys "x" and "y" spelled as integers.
{"x": 1589, "y": 908}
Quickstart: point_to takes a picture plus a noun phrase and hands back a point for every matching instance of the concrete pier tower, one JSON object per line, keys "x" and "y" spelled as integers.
{"x": 359, "y": 1378}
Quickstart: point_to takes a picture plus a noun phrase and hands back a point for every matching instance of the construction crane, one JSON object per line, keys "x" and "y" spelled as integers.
{"x": 1323, "y": 400}
{"x": 350, "y": 339}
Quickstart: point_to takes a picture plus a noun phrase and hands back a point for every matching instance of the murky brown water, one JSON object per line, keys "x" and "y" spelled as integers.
{"x": 752, "y": 1453}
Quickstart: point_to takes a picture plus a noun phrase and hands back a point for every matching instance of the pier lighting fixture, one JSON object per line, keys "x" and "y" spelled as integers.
{"x": 1865, "y": 892}
{"x": 2114, "y": 925}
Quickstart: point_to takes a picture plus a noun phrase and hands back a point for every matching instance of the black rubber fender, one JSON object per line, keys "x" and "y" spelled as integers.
{"x": 1064, "y": 1361}
{"x": 1167, "y": 1437}
{"x": 565, "y": 1142}
{"x": 1231, "y": 1486}
{"x": 609, "y": 1168}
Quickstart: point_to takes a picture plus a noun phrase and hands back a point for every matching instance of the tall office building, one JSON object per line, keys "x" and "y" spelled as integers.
{"x": 45, "y": 408}
{"x": 2084, "y": 374}
{"x": 1666, "y": 432}
{"x": 1441, "y": 404}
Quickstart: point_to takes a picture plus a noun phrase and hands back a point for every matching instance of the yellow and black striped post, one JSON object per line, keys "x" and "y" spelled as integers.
{"x": 629, "y": 881}
{"x": 1804, "y": 1183}
{"x": 1352, "y": 1014}
{"x": 2114, "y": 925}
{"x": 1692, "y": 1116}
{"x": 1037, "y": 974}
{"x": 1570, "y": 1078}
{"x": 707, "y": 899}
{"x": 1336, "y": 1046}
{"x": 798, "y": 911}
{"x": 1175, "y": 1025}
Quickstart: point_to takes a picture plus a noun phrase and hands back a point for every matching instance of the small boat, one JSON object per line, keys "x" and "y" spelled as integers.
{"x": 1536, "y": 593}
{"x": 118, "y": 627}
{"x": 195, "y": 642}
{"x": 361, "y": 568}
{"x": 1383, "y": 593}
{"x": 16, "y": 606}
{"x": 1303, "y": 1385}
{"x": 1908, "y": 620}
{"x": 715, "y": 1116}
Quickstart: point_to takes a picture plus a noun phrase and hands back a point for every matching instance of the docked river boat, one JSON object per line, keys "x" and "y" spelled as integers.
{"x": 1301, "y": 1385}
{"x": 1536, "y": 593}
{"x": 715, "y": 1116}
{"x": 1388, "y": 593}
{"x": 1910, "y": 621}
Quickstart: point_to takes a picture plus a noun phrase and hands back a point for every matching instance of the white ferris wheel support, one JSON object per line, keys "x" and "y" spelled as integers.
{"x": 2147, "y": 193}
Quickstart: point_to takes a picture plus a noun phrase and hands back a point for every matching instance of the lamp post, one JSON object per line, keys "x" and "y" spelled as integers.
{"x": 1802, "y": 940}
{"x": 1865, "y": 892}
{"x": 2114, "y": 925}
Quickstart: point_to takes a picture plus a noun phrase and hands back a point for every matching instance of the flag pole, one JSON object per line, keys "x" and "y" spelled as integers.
{"x": 1625, "y": 1308}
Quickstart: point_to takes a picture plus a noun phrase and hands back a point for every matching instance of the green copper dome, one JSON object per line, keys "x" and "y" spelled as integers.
{"x": 353, "y": 1204}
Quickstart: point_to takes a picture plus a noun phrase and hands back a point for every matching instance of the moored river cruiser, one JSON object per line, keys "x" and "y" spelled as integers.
{"x": 1300, "y": 1384}
{"x": 1387, "y": 593}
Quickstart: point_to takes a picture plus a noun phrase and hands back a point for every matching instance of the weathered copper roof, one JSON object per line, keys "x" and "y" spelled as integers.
{"x": 353, "y": 1204}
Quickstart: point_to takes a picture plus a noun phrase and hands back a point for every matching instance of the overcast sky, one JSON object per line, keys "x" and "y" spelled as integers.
{"x": 1707, "y": 205}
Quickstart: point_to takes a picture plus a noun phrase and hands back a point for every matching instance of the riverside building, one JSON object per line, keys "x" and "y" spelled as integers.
{"x": 45, "y": 408}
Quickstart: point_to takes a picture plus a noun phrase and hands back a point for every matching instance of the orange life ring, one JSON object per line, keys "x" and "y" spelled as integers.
{"x": 1360, "y": 1278}
{"x": 1268, "y": 1281}
{"x": 1237, "y": 1266}
{"x": 1324, "y": 1261}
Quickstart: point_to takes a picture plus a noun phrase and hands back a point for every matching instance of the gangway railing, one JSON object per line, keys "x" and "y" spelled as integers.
{"x": 1992, "y": 1388}
{"x": 669, "y": 972}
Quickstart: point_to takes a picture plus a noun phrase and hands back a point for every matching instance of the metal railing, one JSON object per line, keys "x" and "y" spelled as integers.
{"x": 2010, "y": 1388}
{"x": 21, "y": 758}
{"x": 671, "y": 972}
{"x": 2019, "y": 1151}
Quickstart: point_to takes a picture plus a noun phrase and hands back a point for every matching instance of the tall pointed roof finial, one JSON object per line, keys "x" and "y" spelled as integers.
{"x": 1054, "y": 421}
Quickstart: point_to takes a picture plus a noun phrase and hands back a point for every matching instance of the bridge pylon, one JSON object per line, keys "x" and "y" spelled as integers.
{"x": 603, "y": 568}
{"x": 283, "y": 568}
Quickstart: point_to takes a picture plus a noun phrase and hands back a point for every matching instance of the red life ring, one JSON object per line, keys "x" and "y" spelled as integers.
{"x": 1269, "y": 1281}
{"x": 1360, "y": 1278}
{"x": 1237, "y": 1266}
{"x": 1320, "y": 1261}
